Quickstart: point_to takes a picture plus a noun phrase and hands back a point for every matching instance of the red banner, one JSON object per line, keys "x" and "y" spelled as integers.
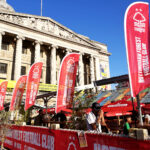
{"x": 42, "y": 138}
{"x": 66, "y": 84}
{"x": 137, "y": 47}
{"x": 18, "y": 93}
{"x": 33, "y": 84}
{"x": 3, "y": 89}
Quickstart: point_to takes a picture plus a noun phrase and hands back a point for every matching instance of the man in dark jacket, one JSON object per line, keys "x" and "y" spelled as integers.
{"x": 61, "y": 118}
{"x": 38, "y": 121}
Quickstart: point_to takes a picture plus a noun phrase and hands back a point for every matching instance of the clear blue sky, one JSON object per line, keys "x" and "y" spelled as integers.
{"x": 101, "y": 20}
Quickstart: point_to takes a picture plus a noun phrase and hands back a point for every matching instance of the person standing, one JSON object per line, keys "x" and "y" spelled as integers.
{"x": 38, "y": 121}
{"x": 60, "y": 118}
{"x": 147, "y": 118}
{"x": 95, "y": 118}
{"x": 126, "y": 127}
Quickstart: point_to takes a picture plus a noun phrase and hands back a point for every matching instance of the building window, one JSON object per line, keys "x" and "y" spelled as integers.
{"x": 5, "y": 46}
{"x": 24, "y": 50}
{"x": 23, "y": 70}
{"x": 3, "y": 68}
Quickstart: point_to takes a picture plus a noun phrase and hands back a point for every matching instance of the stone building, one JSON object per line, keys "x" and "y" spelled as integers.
{"x": 25, "y": 39}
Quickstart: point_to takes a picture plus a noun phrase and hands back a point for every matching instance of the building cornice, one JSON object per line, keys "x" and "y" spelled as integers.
{"x": 53, "y": 35}
{"x": 72, "y": 36}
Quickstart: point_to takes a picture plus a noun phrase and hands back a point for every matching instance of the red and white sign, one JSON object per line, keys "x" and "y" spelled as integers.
{"x": 42, "y": 138}
{"x": 49, "y": 110}
{"x": 33, "y": 81}
{"x": 136, "y": 26}
{"x": 66, "y": 84}
{"x": 3, "y": 89}
{"x": 116, "y": 113}
{"x": 18, "y": 93}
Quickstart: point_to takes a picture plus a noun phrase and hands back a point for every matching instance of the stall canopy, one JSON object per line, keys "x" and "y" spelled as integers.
{"x": 120, "y": 107}
{"x": 146, "y": 109}
{"x": 52, "y": 111}
{"x": 112, "y": 80}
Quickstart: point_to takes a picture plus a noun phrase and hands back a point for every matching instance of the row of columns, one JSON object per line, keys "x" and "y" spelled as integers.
{"x": 19, "y": 46}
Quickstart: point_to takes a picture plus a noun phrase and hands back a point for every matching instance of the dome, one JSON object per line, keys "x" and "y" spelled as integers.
{"x": 5, "y": 7}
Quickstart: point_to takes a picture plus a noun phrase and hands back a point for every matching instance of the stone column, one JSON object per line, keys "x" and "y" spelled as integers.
{"x": 92, "y": 70}
{"x": 44, "y": 75}
{"x": 81, "y": 70}
{"x": 1, "y": 35}
{"x": 53, "y": 64}
{"x": 37, "y": 51}
{"x": 17, "y": 71}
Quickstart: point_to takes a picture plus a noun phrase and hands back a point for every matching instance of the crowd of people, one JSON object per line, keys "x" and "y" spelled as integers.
{"x": 95, "y": 120}
{"x": 43, "y": 120}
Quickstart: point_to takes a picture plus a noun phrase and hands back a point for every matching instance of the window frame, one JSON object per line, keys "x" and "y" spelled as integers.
{"x": 5, "y": 68}
{"x": 22, "y": 73}
{"x": 3, "y": 46}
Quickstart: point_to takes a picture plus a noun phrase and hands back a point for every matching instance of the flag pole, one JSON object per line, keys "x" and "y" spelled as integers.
{"x": 139, "y": 110}
{"x": 133, "y": 112}
{"x": 41, "y": 7}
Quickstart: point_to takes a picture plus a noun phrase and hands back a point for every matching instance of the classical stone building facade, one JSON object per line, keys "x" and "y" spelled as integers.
{"x": 25, "y": 39}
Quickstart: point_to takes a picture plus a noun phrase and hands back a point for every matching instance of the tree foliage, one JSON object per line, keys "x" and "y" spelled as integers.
{"x": 80, "y": 104}
{"x": 4, "y": 126}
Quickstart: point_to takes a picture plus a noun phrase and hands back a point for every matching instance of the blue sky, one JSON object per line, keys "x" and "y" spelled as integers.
{"x": 101, "y": 20}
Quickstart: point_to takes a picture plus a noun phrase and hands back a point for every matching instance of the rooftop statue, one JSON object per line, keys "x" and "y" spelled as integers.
{"x": 5, "y": 7}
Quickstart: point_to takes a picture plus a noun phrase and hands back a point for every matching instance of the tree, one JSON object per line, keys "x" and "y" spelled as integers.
{"x": 4, "y": 126}
{"x": 80, "y": 104}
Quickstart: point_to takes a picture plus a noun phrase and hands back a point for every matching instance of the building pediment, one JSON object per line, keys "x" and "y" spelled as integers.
{"x": 45, "y": 24}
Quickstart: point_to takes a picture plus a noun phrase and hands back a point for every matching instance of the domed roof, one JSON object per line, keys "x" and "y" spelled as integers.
{"x": 5, "y": 7}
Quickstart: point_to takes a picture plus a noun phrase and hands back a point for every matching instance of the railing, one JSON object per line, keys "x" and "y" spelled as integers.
{"x": 42, "y": 138}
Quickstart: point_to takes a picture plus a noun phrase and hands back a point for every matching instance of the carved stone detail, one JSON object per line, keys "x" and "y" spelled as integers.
{"x": 43, "y": 24}
{"x": 5, "y": 7}
{"x": 68, "y": 51}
